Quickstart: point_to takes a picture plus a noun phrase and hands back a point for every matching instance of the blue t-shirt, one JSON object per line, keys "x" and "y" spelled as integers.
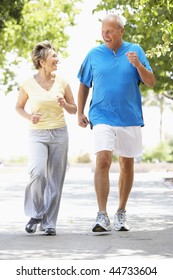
{"x": 116, "y": 99}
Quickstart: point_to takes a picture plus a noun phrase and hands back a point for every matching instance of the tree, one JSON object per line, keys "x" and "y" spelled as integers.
{"x": 9, "y": 11}
{"x": 39, "y": 20}
{"x": 149, "y": 23}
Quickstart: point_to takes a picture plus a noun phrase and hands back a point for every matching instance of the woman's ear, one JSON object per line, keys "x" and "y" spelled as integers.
{"x": 42, "y": 63}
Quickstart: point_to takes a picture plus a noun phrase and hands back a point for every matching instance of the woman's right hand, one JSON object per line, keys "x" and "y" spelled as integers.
{"x": 35, "y": 118}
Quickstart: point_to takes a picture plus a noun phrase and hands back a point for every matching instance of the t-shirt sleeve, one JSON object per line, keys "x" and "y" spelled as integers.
{"x": 64, "y": 83}
{"x": 143, "y": 59}
{"x": 85, "y": 73}
{"x": 24, "y": 85}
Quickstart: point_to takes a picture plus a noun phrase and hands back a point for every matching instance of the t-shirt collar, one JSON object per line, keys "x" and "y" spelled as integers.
{"x": 119, "y": 51}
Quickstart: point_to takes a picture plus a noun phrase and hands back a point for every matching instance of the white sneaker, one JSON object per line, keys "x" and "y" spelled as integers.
{"x": 120, "y": 222}
{"x": 102, "y": 222}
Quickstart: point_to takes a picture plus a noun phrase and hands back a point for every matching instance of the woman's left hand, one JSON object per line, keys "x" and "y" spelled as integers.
{"x": 61, "y": 101}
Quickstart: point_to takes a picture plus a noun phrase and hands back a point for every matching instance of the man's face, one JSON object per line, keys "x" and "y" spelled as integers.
{"x": 112, "y": 34}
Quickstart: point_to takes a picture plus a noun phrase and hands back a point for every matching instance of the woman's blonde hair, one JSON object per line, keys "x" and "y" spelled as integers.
{"x": 40, "y": 52}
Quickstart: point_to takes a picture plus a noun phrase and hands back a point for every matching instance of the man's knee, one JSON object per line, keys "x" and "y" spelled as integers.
{"x": 126, "y": 164}
{"x": 104, "y": 160}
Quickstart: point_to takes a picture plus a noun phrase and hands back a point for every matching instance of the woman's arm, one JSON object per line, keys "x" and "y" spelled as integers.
{"x": 20, "y": 104}
{"x": 20, "y": 107}
{"x": 68, "y": 102}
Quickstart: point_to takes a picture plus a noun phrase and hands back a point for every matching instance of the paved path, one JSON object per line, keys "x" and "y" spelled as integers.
{"x": 150, "y": 215}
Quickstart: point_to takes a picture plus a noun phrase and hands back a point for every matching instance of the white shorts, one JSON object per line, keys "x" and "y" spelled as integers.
{"x": 122, "y": 141}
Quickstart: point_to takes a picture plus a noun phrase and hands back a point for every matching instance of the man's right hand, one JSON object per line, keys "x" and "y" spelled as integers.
{"x": 83, "y": 121}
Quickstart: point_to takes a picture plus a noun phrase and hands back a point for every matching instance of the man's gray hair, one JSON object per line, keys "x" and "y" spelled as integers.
{"x": 119, "y": 19}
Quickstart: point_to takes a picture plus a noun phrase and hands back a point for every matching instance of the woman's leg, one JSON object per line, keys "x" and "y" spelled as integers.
{"x": 56, "y": 170}
{"x": 34, "y": 193}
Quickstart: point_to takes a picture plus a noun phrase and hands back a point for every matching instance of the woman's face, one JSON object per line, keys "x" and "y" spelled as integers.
{"x": 51, "y": 61}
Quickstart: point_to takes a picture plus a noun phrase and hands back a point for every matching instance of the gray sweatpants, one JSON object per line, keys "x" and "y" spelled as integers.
{"x": 47, "y": 168}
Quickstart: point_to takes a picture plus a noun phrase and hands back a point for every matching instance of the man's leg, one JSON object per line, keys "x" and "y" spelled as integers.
{"x": 101, "y": 179}
{"x": 125, "y": 186}
{"x": 125, "y": 180}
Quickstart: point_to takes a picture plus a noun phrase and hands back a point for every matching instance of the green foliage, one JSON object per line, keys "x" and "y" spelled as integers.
{"x": 114, "y": 158}
{"x": 149, "y": 23}
{"x": 10, "y": 9}
{"x": 19, "y": 160}
{"x": 163, "y": 152}
{"x": 41, "y": 20}
{"x": 28, "y": 24}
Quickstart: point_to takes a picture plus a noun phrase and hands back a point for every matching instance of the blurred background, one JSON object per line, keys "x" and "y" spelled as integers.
{"x": 74, "y": 28}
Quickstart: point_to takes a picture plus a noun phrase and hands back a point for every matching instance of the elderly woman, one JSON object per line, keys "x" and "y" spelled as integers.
{"x": 49, "y": 95}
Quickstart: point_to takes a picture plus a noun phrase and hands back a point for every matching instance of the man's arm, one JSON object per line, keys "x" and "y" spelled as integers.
{"x": 146, "y": 75}
{"x": 82, "y": 98}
